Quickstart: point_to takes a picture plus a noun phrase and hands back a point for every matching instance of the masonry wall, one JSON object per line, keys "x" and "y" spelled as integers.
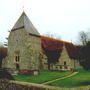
{"x": 65, "y": 58}
{"x": 27, "y": 47}
{"x": 60, "y": 65}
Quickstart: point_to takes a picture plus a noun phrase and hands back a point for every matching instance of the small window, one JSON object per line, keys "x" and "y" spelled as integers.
{"x": 60, "y": 67}
{"x": 17, "y": 58}
{"x": 64, "y": 62}
{"x": 56, "y": 67}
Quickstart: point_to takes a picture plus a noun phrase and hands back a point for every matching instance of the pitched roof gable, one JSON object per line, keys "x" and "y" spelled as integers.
{"x": 64, "y": 53}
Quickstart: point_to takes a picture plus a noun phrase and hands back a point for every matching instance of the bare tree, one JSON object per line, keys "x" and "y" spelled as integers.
{"x": 53, "y": 35}
{"x": 83, "y": 37}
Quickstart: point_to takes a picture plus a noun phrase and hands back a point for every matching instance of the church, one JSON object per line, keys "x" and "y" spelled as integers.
{"x": 24, "y": 46}
{"x": 29, "y": 52}
{"x": 59, "y": 55}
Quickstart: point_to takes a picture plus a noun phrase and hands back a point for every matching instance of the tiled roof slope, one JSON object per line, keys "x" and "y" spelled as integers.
{"x": 24, "y": 22}
{"x": 51, "y": 44}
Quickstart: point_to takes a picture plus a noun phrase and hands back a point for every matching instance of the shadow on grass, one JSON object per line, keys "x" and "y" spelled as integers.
{"x": 72, "y": 85}
{"x": 84, "y": 83}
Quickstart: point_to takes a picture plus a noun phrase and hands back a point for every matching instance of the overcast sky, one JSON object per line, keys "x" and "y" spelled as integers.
{"x": 62, "y": 17}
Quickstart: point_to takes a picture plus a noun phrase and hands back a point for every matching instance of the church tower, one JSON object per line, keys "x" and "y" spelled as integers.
{"x": 24, "y": 46}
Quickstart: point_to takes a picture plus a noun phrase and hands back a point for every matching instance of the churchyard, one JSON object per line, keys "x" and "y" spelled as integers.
{"x": 43, "y": 76}
{"x": 41, "y": 62}
{"x": 82, "y": 78}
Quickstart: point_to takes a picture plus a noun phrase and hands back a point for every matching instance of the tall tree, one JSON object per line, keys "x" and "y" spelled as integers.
{"x": 84, "y": 56}
{"x": 52, "y": 57}
{"x": 84, "y": 50}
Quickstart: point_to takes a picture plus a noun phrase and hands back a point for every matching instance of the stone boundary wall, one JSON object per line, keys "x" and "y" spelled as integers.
{"x": 17, "y": 85}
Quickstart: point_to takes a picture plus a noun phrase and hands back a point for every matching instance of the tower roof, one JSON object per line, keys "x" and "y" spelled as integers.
{"x": 25, "y": 22}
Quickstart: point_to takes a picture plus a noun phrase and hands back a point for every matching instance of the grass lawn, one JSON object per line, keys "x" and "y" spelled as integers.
{"x": 80, "y": 79}
{"x": 44, "y": 76}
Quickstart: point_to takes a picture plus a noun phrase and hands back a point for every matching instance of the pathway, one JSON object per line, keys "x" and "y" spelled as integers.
{"x": 61, "y": 78}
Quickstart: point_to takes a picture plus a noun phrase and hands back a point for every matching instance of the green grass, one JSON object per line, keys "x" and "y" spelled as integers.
{"x": 44, "y": 76}
{"x": 80, "y": 79}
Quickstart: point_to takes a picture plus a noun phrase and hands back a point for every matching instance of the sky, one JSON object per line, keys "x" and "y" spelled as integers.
{"x": 64, "y": 18}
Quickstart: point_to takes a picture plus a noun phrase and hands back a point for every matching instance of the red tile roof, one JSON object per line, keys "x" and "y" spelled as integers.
{"x": 51, "y": 44}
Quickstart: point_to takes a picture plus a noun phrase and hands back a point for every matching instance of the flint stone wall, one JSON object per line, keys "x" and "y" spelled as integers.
{"x": 26, "y": 46}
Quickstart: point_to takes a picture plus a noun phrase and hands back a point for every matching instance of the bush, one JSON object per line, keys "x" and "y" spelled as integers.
{"x": 4, "y": 74}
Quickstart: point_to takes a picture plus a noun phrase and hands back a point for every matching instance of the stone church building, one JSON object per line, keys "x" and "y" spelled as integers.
{"x": 24, "y": 46}
{"x": 28, "y": 52}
